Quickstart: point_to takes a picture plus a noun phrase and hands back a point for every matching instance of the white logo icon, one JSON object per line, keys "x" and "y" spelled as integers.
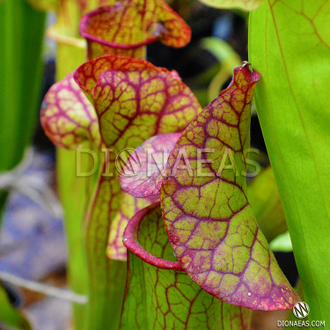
{"x": 300, "y": 310}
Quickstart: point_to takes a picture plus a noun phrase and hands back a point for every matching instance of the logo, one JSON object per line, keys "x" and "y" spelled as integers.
{"x": 129, "y": 162}
{"x": 300, "y": 310}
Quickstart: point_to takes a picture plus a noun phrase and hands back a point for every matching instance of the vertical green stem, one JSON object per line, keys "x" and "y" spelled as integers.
{"x": 74, "y": 193}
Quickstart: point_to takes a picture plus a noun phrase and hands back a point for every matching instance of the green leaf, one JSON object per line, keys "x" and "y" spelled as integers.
{"x": 208, "y": 219}
{"x": 21, "y": 71}
{"x": 166, "y": 298}
{"x": 9, "y": 315}
{"x": 289, "y": 44}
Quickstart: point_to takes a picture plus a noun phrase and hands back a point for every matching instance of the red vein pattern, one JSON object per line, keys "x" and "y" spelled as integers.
{"x": 67, "y": 116}
{"x": 168, "y": 299}
{"x": 134, "y": 100}
{"x": 208, "y": 219}
{"x": 87, "y": 75}
{"x": 126, "y": 27}
{"x": 144, "y": 172}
